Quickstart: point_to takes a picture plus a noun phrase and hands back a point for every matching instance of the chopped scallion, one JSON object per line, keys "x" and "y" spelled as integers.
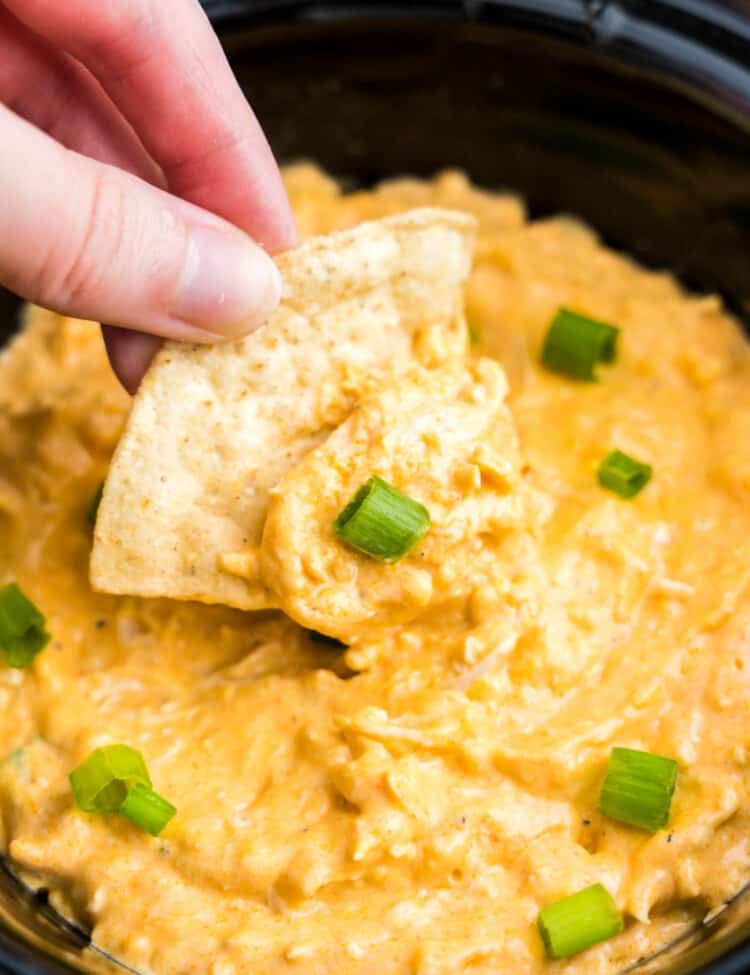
{"x": 21, "y": 651}
{"x": 22, "y": 632}
{"x": 577, "y": 922}
{"x": 638, "y": 788}
{"x": 146, "y": 809}
{"x": 382, "y": 521}
{"x": 114, "y": 779}
{"x": 623, "y": 475}
{"x": 102, "y": 782}
{"x": 574, "y": 345}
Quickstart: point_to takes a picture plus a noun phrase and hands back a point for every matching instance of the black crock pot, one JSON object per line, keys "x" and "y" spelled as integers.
{"x": 633, "y": 114}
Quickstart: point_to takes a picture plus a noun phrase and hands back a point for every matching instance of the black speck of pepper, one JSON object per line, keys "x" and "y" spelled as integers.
{"x": 100, "y": 624}
{"x": 462, "y": 820}
{"x": 670, "y": 837}
{"x": 586, "y": 822}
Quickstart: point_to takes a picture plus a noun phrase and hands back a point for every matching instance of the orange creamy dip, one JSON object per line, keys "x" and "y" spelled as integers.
{"x": 407, "y": 805}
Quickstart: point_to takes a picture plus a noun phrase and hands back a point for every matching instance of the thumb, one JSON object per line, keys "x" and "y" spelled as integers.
{"x": 92, "y": 241}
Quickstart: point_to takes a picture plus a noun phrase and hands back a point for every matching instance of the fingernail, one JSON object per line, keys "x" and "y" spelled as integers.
{"x": 229, "y": 285}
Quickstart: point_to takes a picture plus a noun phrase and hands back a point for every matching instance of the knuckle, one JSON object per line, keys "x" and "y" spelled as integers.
{"x": 76, "y": 274}
{"x": 121, "y": 36}
{"x": 115, "y": 20}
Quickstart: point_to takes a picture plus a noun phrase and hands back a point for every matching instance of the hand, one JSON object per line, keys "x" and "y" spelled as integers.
{"x": 134, "y": 177}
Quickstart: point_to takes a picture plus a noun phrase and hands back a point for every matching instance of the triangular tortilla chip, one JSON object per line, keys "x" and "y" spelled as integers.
{"x": 214, "y": 428}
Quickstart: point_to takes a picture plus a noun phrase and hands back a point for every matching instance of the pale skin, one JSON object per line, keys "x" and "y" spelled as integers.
{"x": 136, "y": 185}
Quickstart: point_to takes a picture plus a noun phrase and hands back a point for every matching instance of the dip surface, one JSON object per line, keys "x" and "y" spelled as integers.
{"x": 409, "y": 804}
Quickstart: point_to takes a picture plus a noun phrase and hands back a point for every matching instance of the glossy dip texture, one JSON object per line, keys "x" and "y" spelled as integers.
{"x": 409, "y": 804}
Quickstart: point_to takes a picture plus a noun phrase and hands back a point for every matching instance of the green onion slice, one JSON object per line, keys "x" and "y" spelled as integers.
{"x": 382, "y": 522}
{"x": 623, "y": 475}
{"x": 101, "y": 783}
{"x": 579, "y": 921}
{"x": 22, "y": 633}
{"x": 146, "y": 809}
{"x": 575, "y": 344}
{"x": 94, "y": 507}
{"x": 638, "y": 788}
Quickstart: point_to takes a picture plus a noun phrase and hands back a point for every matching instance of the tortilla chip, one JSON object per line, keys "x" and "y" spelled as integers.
{"x": 214, "y": 428}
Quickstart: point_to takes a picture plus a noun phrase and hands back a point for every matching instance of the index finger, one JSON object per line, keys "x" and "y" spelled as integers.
{"x": 164, "y": 68}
